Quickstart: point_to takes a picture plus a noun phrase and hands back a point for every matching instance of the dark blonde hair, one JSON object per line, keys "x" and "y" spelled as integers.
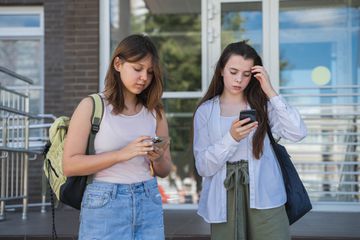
{"x": 132, "y": 49}
{"x": 253, "y": 93}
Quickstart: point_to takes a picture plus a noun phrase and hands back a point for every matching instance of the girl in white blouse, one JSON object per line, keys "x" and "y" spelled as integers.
{"x": 243, "y": 193}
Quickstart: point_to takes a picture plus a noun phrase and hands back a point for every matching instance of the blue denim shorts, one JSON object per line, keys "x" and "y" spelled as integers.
{"x": 122, "y": 211}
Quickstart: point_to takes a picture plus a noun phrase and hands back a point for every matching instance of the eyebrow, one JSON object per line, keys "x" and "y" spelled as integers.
{"x": 235, "y": 69}
{"x": 143, "y": 65}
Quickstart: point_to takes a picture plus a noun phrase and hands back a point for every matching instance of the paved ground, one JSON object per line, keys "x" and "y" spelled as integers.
{"x": 179, "y": 225}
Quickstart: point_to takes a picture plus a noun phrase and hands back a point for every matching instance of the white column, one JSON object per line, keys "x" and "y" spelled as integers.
{"x": 271, "y": 40}
{"x": 104, "y": 40}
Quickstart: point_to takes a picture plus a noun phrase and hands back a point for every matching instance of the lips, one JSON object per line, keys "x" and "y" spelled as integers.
{"x": 140, "y": 85}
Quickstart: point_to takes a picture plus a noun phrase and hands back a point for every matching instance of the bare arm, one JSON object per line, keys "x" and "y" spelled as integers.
{"x": 76, "y": 162}
{"x": 161, "y": 157}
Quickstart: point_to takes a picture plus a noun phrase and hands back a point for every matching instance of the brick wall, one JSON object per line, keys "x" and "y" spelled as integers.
{"x": 54, "y": 13}
{"x": 81, "y": 51}
{"x": 71, "y": 61}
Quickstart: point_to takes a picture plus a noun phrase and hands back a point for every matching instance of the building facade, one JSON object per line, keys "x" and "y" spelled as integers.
{"x": 310, "y": 49}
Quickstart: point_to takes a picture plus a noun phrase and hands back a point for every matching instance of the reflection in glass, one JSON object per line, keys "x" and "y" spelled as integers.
{"x": 319, "y": 73}
{"x": 174, "y": 27}
{"x": 182, "y": 183}
{"x": 241, "y": 21}
{"x": 22, "y": 57}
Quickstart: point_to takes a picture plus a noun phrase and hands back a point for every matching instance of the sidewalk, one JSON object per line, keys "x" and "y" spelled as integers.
{"x": 179, "y": 225}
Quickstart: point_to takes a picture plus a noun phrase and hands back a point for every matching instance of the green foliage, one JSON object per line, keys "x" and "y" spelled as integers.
{"x": 178, "y": 39}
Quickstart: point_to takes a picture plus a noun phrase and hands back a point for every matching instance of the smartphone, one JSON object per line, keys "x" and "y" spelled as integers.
{"x": 159, "y": 141}
{"x": 248, "y": 114}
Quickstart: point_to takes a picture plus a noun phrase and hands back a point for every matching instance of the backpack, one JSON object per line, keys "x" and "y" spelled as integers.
{"x": 69, "y": 190}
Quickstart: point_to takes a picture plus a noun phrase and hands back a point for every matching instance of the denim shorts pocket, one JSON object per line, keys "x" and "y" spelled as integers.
{"x": 96, "y": 199}
{"x": 155, "y": 196}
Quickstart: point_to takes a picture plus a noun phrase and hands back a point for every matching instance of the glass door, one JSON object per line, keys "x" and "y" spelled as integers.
{"x": 230, "y": 21}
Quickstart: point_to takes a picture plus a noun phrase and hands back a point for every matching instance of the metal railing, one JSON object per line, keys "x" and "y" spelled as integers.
{"x": 14, "y": 123}
{"x": 18, "y": 144}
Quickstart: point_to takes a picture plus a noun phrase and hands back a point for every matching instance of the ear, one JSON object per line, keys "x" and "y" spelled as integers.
{"x": 117, "y": 64}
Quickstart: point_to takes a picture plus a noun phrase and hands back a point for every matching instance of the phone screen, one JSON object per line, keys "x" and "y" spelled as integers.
{"x": 248, "y": 114}
{"x": 160, "y": 141}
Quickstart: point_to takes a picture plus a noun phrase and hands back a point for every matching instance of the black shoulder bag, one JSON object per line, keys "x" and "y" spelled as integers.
{"x": 298, "y": 201}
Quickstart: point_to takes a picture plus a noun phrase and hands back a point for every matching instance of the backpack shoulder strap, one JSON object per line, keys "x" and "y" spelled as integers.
{"x": 96, "y": 117}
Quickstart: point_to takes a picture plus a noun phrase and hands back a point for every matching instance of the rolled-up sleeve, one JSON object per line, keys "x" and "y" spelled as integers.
{"x": 210, "y": 157}
{"x": 285, "y": 120}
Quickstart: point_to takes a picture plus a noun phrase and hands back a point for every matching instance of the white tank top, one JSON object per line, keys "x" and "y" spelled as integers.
{"x": 117, "y": 131}
{"x": 244, "y": 144}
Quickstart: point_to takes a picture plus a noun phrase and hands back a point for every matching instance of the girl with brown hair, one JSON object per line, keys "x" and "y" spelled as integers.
{"x": 243, "y": 193}
{"x": 123, "y": 200}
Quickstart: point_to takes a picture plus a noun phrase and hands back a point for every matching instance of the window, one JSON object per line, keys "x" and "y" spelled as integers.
{"x": 21, "y": 51}
{"x": 319, "y": 74}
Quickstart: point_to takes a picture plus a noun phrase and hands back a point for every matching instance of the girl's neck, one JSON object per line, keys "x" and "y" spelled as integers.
{"x": 132, "y": 105}
{"x": 232, "y": 99}
{"x": 231, "y": 105}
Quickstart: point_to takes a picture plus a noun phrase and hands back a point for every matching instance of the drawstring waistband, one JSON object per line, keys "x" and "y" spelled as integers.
{"x": 237, "y": 173}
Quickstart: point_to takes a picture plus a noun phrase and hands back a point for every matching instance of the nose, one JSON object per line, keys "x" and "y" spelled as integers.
{"x": 238, "y": 78}
{"x": 144, "y": 76}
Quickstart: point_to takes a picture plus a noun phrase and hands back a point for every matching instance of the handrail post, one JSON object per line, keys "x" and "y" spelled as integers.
{"x": 26, "y": 160}
{"x": 3, "y": 172}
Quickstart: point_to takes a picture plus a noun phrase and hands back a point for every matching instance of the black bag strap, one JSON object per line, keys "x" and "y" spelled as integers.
{"x": 96, "y": 117}
{"x": 274, "y": 143}
{"x": 54, "y": 233}
{"x": 271, "y": 137}
{"x": 275, "y": 147}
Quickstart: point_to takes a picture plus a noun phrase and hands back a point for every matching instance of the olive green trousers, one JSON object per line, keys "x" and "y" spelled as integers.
{"x": 244, "y": 223}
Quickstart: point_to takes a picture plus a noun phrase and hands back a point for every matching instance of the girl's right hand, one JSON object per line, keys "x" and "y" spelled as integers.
{"x": 139, "y": 147}
{"x": 239, "y": 129}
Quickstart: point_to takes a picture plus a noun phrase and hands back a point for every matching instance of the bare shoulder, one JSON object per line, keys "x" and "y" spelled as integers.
{"x": 80, "y": 120}
{"x": 85, "y": 105}
{"x": 84, "y": 109}
{"x": 79, "y": 128}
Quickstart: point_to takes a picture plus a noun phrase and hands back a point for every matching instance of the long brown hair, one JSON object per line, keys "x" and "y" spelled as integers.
{"x": 132, "y": 49}
{"x": 253, "y": 93}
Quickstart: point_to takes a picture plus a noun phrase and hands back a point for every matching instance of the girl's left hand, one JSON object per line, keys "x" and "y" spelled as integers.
{"x": 157, "y": 153}
{"x": 263, "y": 77}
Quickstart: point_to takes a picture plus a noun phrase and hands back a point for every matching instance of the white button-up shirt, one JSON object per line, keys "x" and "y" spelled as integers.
{"x": 212, "y": 151}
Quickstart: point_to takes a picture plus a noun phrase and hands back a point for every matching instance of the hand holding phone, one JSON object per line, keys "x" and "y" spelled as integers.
{"x": 248, "y": 114}
{"x": 160, "y": 141}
